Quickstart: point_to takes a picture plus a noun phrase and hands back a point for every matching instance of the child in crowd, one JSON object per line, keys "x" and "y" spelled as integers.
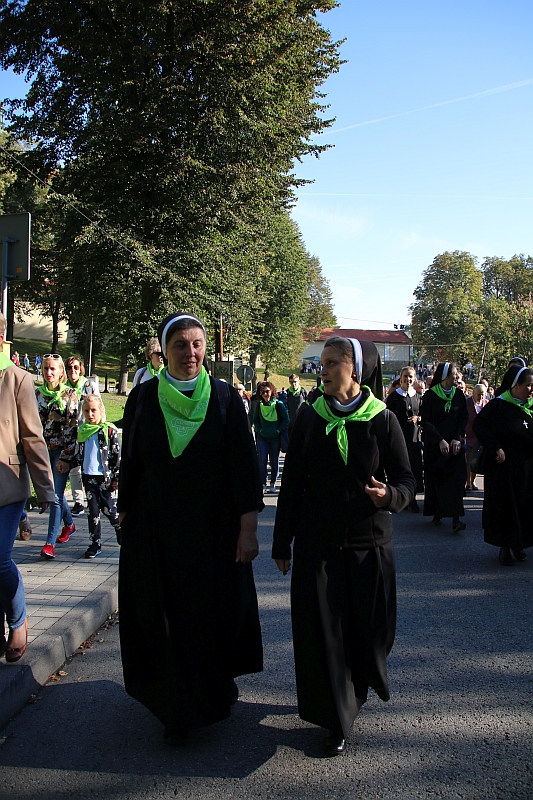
{"x": 98, "y": 454}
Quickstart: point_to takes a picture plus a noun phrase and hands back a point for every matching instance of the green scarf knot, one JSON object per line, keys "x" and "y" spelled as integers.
{"x": 527, "y": 407}
{"x": 183, "y": 415}
{"x": 55, "y": 395}
{"x": 88, "y": 429}
{"x": 154, "y": 372}
{"x": 269, "y": 412}
{"x": 439, "y": 391}
{"x": 295, "y": 391}
{"x": 364, "y": 412}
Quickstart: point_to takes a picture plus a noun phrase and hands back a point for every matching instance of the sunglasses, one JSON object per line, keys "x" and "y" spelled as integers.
{"x": 51, "y": 355}
{"x": 158, "y": 354}
{"x": 265, "y": 391}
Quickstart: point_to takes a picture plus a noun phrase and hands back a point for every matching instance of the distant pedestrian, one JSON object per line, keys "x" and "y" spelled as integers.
{"x": 271, "y": 420}
{"x": 26, "y": 362}
{"x": 296, "y": 395}
{"x": 474, "y": 404}
{"x": 23, "y": 454}
{"x": 15, "y": 359}
{"x": 154, "y": 366}
{"x": 83, "y": 387}
{"x": 98, "y": 455}
{"x": 38, "y": 363}
{"x": 405, "y": 403}
{"x": 244, "y": 397}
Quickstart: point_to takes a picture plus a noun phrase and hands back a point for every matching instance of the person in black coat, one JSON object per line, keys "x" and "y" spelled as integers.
{"x": 346, "y": 452}
{"x": 505, "y": 429}
{"x": 189, "y": 620}
{"x": 296, "y": 396}
{"x": 444, "y": 418}
{"x": 405, "y": 403}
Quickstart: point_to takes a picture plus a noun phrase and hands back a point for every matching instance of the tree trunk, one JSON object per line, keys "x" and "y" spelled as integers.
{"x": 123, "y": 380}
{"x": 55, "y": 325}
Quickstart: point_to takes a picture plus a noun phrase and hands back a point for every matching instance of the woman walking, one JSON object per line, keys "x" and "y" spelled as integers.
{"x": 270, "y": 421}
{"x": 444, "y": 418}
{"x": 505, "y": 429}
{"x": 474, "y": 404}
{"x": 348, "y": 452}
{"x": 405, "y": 403}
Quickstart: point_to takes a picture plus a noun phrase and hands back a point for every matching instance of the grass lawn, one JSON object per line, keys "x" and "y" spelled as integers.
{"x": 104, "y": 362}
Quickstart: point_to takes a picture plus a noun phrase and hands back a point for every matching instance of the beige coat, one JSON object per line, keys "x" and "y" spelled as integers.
{"x": 22, "y": 445}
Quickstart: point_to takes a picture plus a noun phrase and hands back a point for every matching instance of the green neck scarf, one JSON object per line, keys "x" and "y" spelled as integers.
{"x": 183, "y": 415}
{"x": 364, "y": 412}
{"x": 269, "y": 412}
{"x": 78, "y": 388}
{"x": 5, "y": 362}
{"x": 154, "y": 372}
{"x": 88, "y": 429}
{"x": 55, "y": 395}
{"x": 439, "y": 391}
{"x": 295, "y": 391}
{"x": 526, "y": 407}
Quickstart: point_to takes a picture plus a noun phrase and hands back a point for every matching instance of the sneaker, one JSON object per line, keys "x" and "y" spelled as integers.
{"x": 25, "y": 530}
{"x": 77, "y": 509}
{"x": 48, "y": 552}
{"x": 93, "y": 550}
{"x": 66, "y": 533}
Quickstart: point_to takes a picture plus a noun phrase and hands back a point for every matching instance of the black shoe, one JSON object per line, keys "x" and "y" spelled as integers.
{"x": 436, "y": 520}
{"x": 77, "y": 510}
{"x": 519, "y": 555}
{"x": 458, "y": 526}
{"x": 94, "y": 549}
{"x": 334, "y": 744}
{"x": 118, "y": 532}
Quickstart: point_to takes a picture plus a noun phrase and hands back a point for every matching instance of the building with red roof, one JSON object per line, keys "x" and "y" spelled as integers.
{"x": 394, "y": 347}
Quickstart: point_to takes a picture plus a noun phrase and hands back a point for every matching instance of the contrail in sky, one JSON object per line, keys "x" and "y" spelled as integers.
{"x": 496, "y": 90}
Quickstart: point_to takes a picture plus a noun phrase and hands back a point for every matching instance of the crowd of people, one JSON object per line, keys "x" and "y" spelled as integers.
{"x": 212, "y": 450}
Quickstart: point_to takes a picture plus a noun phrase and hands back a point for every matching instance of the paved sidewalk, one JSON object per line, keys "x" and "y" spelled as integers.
{"x": 67, "y": 600}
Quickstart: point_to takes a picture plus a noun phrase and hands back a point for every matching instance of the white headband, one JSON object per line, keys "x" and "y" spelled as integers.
{"x": 358, "y": 359}
{"x": 170, "y": 324}
{"x": 445, "y": 370}
{"x": 520, "y": 371}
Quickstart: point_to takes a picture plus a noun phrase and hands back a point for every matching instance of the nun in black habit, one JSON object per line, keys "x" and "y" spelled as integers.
{"x": 405, "y": 403}
{"x": 189, "y": 620}
{"x": 347, "y": 455}
{"x": 505, "y": 429}
{"x": 444, "y": 418}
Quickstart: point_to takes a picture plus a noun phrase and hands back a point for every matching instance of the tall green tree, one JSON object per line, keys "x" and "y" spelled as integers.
{"x": 446, "y": 317}
{"x": 320, "y": 312}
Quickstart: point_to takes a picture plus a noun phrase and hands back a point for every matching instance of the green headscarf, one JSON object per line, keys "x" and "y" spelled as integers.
{"x": 55, "y": 395}
{"x": 88, "y": 429}
{"x": 269, "y": 412}
{"x": 5, "y": 362}
{"x": 526, "y": 407}
{"x": 154, "y": 372}
{"x": 439, "y": 391}
{"x": 183, "y": 415}
{"x": 364, "y": 412}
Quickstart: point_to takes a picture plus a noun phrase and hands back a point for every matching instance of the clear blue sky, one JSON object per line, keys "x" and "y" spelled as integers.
{"x": 437, "y": 175}
{"x": 394, "y": 193}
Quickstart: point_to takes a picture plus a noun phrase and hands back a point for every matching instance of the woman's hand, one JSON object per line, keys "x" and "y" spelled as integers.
{"x": 456, "y": 446}
{"x": 444, "y": 447}
{"x": 379, "y": 493}
{"x": 247, "y": 544}
{"x": 43, "y": 507}
{"x": 500, "y": 456}
{"x": 63, "y": 467}
{"x": 283, "y": 565}
{"x": 413, "y": 420}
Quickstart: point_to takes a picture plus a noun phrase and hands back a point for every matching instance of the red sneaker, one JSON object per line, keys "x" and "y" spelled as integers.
{"x": 48, "y": 551}
{"x": 66, "y": 533}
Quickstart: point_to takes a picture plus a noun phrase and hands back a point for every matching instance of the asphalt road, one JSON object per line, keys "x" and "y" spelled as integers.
{"x": 459, "y": 723}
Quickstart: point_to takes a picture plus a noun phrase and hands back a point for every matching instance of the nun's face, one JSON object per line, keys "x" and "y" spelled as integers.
{"x": 185, "y": 353}
{"x": 451, "y": 378}
{"x": 338, "y": 375}
{"x": 407, "y": 378}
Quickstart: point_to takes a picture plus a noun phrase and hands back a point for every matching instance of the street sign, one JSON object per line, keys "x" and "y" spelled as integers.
{"x": 245, "y": 373}
{"x": 222, "y": 369}
{"x": 15, "y": 238}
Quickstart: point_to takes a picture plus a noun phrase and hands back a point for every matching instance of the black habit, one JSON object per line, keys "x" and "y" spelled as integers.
{"x": 444, "y": 476}
{"x": 189, "y": 620}
{"x": 404, "y": 406}
{"x": 507, "y": 519}
{"x": 343, "y": 591}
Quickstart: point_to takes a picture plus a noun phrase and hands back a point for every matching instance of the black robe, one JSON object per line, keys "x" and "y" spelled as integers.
{"x": 404, "y": 407}
{"x": 189, "y": 621}
{"x": 444, "y": 476}
{"x": 507, "y": 519}
{"x": 343, "y": 592}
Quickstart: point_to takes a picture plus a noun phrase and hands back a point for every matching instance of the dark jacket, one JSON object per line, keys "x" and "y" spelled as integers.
{"x": 269, "y": 430}
{"x": 295, "y": 401}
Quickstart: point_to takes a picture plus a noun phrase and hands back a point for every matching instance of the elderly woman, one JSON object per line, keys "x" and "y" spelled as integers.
{"x": 270, "y": 421}
{"x": 474, "y": 404}
{"x": 348, "y": 451}
{"x": 505, "y": 429}
{"x": 444, "y": 418}
{"x": 83, "y": 387}
{"x": 154, "y": 366}
{"x": 58, "y": 410}
{"x": 22, "y": 453}
{"x": 405, "y": 403}
{"x": 186, "y": 586}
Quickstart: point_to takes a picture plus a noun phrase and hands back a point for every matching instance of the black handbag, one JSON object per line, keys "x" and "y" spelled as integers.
{"x": 476, "y": 462}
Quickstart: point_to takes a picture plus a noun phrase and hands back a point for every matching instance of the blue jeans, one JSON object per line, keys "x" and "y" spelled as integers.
{"x": 12, "y": 602}
{"x": 268, "y": 449}
{"x": 60, "y": 508}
